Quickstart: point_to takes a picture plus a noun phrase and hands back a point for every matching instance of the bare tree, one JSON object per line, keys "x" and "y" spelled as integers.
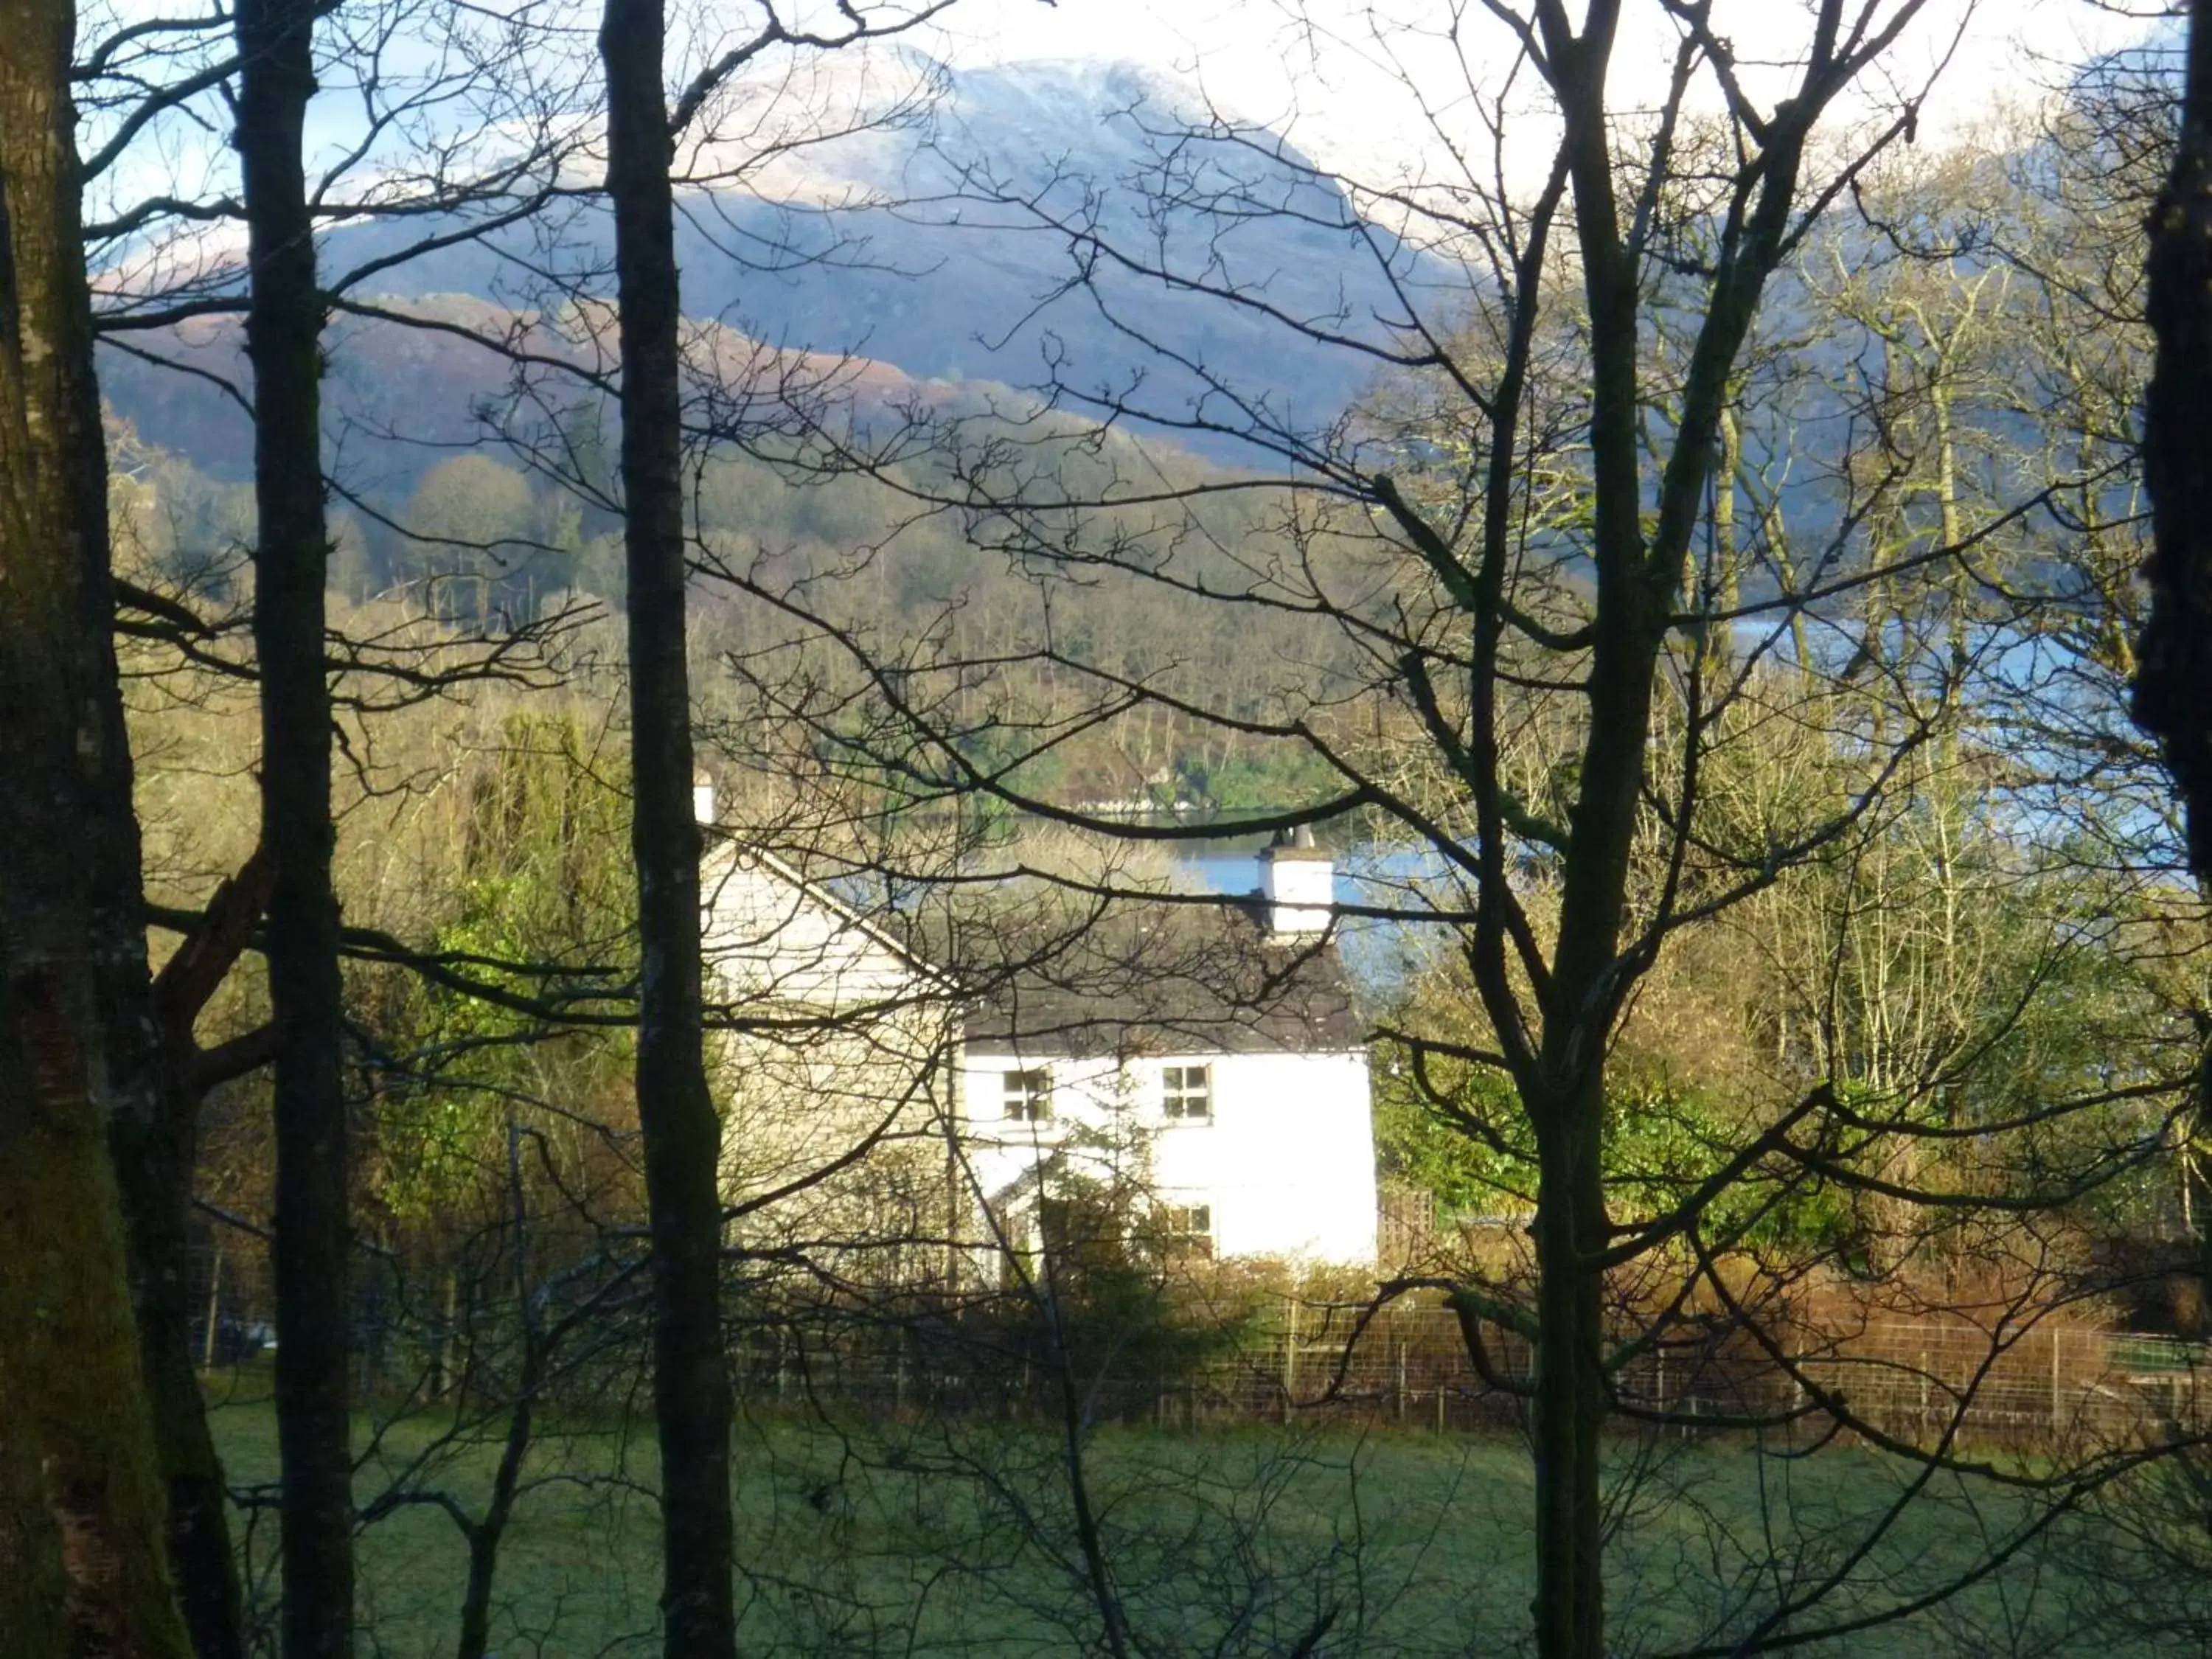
{"x": 149, "y": 87}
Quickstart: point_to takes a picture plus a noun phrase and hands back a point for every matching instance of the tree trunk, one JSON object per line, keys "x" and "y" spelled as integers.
{"x": 675, "y": 1110}
{"x": 150, "y": 1139}
{"x": 2174, "y": 675}
{"x": 284, "y": 329}
{"x": 485, "y": 1537}
{"x": 153, "y": 1137}
{"x": 1569, "y": 1409}
{"x": 82, "y": 1564}
{"x": 154, "y": 1169}
{"x": 2174, "y": 657}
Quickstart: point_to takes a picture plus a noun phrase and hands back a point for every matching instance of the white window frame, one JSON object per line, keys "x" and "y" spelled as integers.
{"x": 1186, "y": 1227}
{"x": 1025, "y": 1096}
{"x": 1183, "y": 1088}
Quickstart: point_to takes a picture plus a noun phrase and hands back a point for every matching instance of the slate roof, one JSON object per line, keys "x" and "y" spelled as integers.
{"x": 1048, "y": 971}
{"x": 1151, "y": 977}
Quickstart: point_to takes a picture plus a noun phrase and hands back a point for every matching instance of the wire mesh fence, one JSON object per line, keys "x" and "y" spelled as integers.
{"x": 2036, "y": 1383}
{"x": 2033, "y": 1386}
{"x": 2027, "y": 1383}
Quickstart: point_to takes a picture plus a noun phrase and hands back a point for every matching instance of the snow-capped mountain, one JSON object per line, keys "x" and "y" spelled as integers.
{"x": 1044, "y": 224}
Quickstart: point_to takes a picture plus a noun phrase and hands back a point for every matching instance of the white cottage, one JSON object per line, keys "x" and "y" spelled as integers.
{"x": 1215, "y": 1046}
{"x": 1207, "y": 1051}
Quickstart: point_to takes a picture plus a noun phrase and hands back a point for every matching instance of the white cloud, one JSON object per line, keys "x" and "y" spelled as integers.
{"x": 1334, "y": 72}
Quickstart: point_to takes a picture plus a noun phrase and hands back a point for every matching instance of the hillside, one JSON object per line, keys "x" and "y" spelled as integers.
{"x": 403, "y": 393}
{"x": 883, "y": 244}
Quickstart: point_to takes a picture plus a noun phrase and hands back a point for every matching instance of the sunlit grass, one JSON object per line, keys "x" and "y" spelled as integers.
{"x": 922, "y": 1538}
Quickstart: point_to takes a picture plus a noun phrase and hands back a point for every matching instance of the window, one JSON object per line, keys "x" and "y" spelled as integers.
{"x": 1187, "y": 1229}
{"x": 1028, "y": 1097}
{"x": 1186, "y": 1092}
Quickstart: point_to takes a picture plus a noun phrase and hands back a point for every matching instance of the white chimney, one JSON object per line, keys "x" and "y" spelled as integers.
{"x": 702, "y": 796}
{"x": 1298, "y": 882}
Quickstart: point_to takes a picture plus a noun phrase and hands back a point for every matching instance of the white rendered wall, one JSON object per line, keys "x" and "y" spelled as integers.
{"x": 768, "y": 939}
{"x": 1286, "y": 1162}
{"x": 840, "y": 1039}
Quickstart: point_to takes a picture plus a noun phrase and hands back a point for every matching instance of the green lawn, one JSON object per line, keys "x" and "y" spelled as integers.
{"x": 921, "y": 1540}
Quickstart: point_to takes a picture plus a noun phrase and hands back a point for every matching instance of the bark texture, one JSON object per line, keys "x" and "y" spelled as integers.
{"x": 2173, "y": 677}
{"x": 153, "y": 1169}
{"x": 82, "y": 1564}
{"x": 283, "y": 330}
{"x": 675, "y": 1110}
{"x": 153, "y": 1137}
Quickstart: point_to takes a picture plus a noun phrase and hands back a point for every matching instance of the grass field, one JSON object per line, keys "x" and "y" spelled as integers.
{"x": 914, "y": 1539}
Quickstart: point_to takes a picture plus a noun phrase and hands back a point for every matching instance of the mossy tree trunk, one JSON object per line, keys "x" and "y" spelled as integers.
{"x": 82, "y": 1569}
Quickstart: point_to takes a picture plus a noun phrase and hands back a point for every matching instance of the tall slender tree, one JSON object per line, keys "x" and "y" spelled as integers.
{"x": 82, "y": 1563}
{"x": 284, "y": 329}
{"x": 676, "y": 1116}
{"x": 676, "y": 1110}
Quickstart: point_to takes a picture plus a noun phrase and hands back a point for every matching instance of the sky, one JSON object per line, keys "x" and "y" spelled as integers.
{"x": 1331, "y": 75}
{"x": 1327, "y": 70}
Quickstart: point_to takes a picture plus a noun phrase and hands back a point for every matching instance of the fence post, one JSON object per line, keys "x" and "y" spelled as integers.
{"x": 214, "y": 1309}
{"x": 2054, "y": 1379}
{"x": 1402, "y": 1378}
{"x": 1289, "y": 1354}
